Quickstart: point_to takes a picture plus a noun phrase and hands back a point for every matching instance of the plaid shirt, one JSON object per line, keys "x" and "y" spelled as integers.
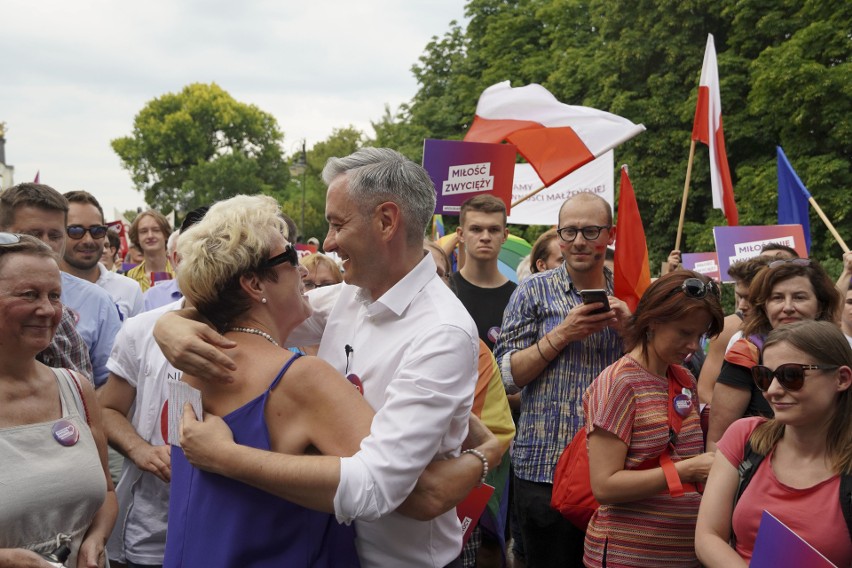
{"x": 552, "y": 404}
{"x": 67, "y": 350}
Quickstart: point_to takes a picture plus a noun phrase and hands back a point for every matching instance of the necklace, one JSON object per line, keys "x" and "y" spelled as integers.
{"x": 255, "y": 331}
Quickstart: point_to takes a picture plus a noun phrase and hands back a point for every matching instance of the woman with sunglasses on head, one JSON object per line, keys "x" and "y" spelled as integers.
{"x": 787, "y": 291}
{"x": 55, "y": 488}
{"x": 645, "y": 441}
{"x": 805, "y": 377}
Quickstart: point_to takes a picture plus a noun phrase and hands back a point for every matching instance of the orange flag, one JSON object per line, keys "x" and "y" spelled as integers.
{"x": 632, "y": 274}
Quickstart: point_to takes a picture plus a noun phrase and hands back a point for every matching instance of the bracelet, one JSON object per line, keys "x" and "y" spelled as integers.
{"x": 484, "y": 461}
{"x": 540, "y": 352}
{"x": 552, "y": 346}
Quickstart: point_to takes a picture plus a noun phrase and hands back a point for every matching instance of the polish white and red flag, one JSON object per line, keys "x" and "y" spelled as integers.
{"x": 707, "y": 128}
{"x": 553, "y": 137}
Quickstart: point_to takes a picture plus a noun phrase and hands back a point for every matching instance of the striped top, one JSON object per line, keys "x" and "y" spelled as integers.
{"x": 552, "y": 404}
{"x": 632, "y": 403}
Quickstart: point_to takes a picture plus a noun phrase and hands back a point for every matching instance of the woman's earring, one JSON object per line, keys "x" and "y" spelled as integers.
{"x": 263, "y": 300}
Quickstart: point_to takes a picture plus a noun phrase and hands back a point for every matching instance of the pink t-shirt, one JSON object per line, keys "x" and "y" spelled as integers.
{"x": 813, "y": 513}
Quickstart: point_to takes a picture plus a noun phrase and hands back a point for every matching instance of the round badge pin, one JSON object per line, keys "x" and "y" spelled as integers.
{"x": 493, "y": 334}
{"x": 682, "y": 404}
{"x": 66, "y": 433}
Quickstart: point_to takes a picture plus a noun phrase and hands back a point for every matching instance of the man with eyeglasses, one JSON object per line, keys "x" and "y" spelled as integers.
{"x": 41, "y": 211}
{"x": 550, "y": 348}
{"x": 86, "y": 233}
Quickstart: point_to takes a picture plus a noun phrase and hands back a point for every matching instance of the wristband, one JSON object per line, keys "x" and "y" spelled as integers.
{"x": 484, "y": 461}
{"x": 552, "y": 346}
{"x": 540, "y": 352}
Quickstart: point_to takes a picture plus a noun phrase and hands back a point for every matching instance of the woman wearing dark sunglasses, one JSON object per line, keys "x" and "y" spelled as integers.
{"x": 644, "y": 435}
{"x": 805, "y": 377}
{"x": 241, "y": 273}
{"x": 787, "y": 291}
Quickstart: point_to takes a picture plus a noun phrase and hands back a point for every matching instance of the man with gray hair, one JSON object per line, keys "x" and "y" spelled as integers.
{"x": 403, "y": 338}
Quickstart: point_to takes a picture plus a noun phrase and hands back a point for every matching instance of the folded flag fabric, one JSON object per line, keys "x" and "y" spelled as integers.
{"x": 553, "y": 137}
{"x": 707, "y": 128}
{"x": 792, "y": 198}
{"x": 631, "y": 269}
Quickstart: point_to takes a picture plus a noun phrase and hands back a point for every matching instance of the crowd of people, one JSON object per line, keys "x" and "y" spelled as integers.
{"x": 353, "y": 404}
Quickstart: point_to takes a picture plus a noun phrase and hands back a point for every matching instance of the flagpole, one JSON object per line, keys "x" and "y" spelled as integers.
{"x": 685, "y": 194}
{"x": 527, "y": 196}
{"x": 828, "y": 224}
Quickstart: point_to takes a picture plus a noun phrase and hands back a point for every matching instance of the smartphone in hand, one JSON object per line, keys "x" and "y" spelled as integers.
{"x": 596, "y": 297}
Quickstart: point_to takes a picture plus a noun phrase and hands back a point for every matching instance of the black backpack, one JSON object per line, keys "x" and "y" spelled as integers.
{"x": 749, "y": 465}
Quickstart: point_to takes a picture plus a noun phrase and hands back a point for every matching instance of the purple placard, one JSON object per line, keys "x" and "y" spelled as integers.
{"x": 734, "y": 244}
{"x": 704, "y": 263}
{"x": 777, "y": 546}
{"x": 461, "y": 170}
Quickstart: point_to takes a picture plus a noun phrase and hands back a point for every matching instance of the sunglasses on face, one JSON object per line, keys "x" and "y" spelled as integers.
{"x": 791, "y": 376}
{"x": 9, "y": 239}
{"x": 289, "y": 255}
{"x": 77, "y": 232}
{"x": 794, "y": 261}
{"x": 590, "y": 233}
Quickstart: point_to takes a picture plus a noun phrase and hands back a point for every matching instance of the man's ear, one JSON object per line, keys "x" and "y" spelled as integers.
{"x": 611, "y": 236}
{"x": 389, "y": 219}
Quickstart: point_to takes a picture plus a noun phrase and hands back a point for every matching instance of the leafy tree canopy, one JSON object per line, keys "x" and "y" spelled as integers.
{"x": 786, "y": 79}
{"x": 200, "y": 145}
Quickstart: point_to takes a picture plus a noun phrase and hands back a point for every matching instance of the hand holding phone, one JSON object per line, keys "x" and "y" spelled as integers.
{"x": 596, "y": 297}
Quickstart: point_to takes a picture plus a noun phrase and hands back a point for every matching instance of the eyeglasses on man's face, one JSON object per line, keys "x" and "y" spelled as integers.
{"x": 77, "y": 232}
{"x": 590, "y": 233}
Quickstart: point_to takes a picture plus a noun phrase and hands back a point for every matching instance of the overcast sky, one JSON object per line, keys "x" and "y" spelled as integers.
{"x": 74, "y": 74}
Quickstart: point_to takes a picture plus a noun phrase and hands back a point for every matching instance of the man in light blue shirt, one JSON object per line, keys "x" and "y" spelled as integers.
{"x": 41, "y": 211}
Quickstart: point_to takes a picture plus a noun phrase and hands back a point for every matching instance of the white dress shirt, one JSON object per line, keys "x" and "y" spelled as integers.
{"x": 124, "y": 291}
{"x": 415, "y": 351}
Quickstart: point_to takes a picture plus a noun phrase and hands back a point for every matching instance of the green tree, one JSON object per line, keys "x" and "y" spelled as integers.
{"x": 786, "y": 79}
{"x": 199, "y": 146}
{"x": 341, "y": 142}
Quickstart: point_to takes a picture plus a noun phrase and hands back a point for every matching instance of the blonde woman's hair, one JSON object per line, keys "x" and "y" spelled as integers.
{"x": 317, "y": 259}
{"x": 824, "y": 342}
{"x": 233, "y": 239}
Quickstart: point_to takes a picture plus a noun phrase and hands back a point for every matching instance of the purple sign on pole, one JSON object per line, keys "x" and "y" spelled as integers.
{"x": 704, "y": 263}
{"x": 734, "y": 244}
{"x": 461, "y": 170}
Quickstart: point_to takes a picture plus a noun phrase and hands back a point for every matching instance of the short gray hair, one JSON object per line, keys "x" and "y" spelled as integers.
{"x": 376, "y": 175}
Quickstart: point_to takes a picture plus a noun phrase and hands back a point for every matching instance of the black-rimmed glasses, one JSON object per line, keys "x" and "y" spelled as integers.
{"x": 794, "y": 261}
{"x": 590, "y": 233}
{"x": 791, "y": 376}
{"x": 289, "y": 255}
{"x": 77, "y": 232}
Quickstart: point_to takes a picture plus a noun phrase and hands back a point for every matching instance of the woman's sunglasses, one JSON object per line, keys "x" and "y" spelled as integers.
{"x": 289, "y": 255}
{"x": 697, "y": 288}
{"x": 791, "y": 376}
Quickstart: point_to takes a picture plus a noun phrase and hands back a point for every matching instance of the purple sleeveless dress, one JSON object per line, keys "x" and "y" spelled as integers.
{"x": 215, "y": 521}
